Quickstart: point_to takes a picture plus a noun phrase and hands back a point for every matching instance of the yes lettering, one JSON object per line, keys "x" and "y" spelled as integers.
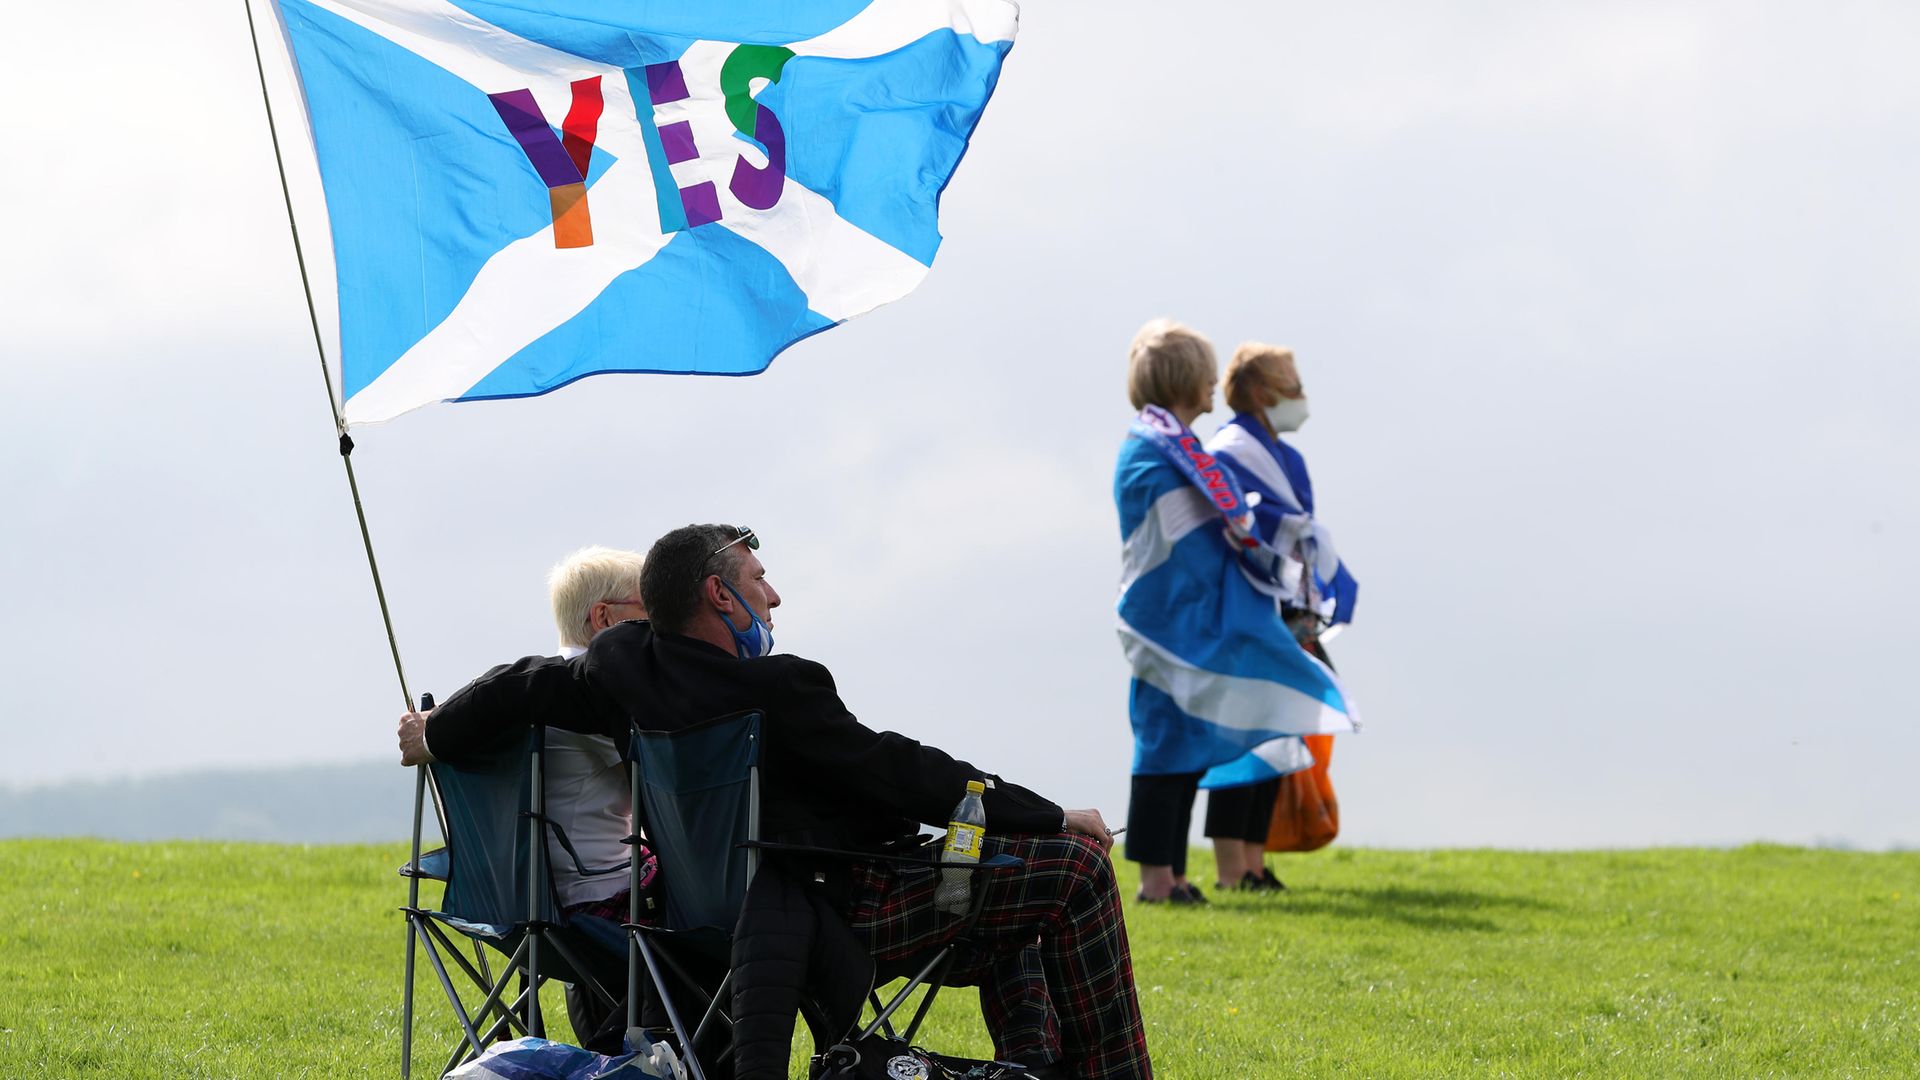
{"x": 562, "y": 162}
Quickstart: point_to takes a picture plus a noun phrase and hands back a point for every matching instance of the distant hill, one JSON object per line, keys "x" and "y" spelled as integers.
{"x": 312, "y": 804}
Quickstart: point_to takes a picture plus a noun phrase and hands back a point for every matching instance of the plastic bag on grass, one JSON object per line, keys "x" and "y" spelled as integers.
{"x": 542, "y": 1059}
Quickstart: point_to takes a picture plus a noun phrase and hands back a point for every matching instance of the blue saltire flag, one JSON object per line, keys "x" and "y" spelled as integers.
{"x": 526, "y": 192}
{"x": 1274, "y": 471}
{"x": 1219, "y": 684}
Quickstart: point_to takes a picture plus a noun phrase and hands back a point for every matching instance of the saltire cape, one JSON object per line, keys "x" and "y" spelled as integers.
{"x": 522, "y": 193}
{"x": 1219, "y": 684}
{"x": 1283, "y": 512}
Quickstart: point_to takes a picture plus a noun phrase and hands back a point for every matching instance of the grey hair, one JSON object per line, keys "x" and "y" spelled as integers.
{"x": 587, "y": 577}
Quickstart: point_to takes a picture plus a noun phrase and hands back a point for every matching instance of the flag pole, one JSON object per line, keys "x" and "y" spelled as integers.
{"x": 366, "y": 538}
{"x": 326, "y": 377}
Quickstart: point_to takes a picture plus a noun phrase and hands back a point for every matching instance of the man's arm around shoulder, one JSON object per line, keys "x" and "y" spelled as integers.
{"x": 491, "y": 711}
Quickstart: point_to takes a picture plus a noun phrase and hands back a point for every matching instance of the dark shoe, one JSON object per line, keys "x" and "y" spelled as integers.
{"x": 1265, "y": 882}
{"x": 1181, "y": 894}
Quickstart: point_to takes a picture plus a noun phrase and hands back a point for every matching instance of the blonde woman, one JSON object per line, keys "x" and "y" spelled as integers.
{"x": 1170, "y": 375}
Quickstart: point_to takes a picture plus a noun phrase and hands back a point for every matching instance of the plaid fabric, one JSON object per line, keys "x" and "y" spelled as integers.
{"x": 1018, "y": 1009}
{"x": 1013, "y": 997}
{"x": 1061, "y": 907}
{"x": 614, "y": 908}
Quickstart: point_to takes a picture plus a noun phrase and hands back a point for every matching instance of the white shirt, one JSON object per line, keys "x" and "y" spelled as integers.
{"x": 588, "y": 796}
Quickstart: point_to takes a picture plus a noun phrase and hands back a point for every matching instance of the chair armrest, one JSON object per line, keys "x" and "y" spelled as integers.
{"x": 433, "y": 865}
{"x": 567, "y": 846}
{"x": 599, "y": 871}
{"x": 998, "y": 862}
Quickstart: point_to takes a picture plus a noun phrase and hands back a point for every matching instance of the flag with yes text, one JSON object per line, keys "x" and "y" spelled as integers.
{"x": 522, "y": 193}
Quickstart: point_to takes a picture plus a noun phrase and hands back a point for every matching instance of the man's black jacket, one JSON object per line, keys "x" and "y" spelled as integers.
{"x": 826, "y": 778}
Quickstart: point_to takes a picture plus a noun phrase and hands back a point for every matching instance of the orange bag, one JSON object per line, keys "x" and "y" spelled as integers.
{"x": 1306, "y": 816}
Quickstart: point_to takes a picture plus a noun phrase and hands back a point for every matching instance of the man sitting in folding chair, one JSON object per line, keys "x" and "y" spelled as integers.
{"x": 587, "y": 798}
{"x": 832, "y": 782}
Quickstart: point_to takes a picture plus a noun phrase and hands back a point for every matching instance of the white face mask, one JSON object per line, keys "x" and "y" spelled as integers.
{"x": 1288, "y": 415}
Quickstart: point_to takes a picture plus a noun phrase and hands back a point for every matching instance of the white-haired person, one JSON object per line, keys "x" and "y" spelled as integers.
{"x": 1315, "y": 592}
{"x": 1170, "y": 376}
{"x": 586, "y": 782}
{"x": 587, "y": 793}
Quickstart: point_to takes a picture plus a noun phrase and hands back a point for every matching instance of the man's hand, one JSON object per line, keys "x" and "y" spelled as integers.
{"x": 413, "y": 738}
{"x": 1089, "y": 823}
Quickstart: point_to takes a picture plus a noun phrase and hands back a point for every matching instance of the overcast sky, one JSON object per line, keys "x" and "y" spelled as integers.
{"x": 1607, "y": 314}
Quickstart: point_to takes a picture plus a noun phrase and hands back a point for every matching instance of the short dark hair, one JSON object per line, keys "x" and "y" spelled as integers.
{"x": 671, "y": 582}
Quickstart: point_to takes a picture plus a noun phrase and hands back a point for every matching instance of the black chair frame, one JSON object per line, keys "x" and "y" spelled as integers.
{"x": 502, "y": 1009}
{"x": 643, "y": 939}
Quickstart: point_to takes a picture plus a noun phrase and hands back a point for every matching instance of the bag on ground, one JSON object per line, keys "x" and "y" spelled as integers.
{"x": 877, "y": 1057}
{"x": 541, "y": 1059}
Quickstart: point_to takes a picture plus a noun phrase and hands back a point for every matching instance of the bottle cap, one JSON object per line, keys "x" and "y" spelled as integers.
{"x": 978, "y": 787}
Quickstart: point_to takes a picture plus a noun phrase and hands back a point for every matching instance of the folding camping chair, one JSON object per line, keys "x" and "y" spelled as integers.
{"x": 699, "y": 791}
{"x": 499, "y": 895}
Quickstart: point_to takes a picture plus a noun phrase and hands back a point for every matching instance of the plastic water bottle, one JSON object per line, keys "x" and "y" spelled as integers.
{"x": 964, "y": 832}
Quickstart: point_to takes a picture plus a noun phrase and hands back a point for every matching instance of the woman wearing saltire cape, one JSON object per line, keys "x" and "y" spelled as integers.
{"x": 1315, "y": 591}
{"x": 1220, "y": 690}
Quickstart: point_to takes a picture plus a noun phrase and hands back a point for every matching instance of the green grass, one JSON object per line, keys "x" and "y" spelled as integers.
{"x": 232, "y": 960}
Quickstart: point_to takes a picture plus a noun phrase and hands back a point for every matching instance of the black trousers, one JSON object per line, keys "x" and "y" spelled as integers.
{"x": 1242, "y": 813}
{"x": 1159, "y": 815}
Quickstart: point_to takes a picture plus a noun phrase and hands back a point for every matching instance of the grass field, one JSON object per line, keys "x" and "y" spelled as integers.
{"x": 227, "y": 960}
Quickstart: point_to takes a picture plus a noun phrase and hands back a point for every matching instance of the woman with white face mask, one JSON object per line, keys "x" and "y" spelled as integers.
{"x": 1314, "y": 591}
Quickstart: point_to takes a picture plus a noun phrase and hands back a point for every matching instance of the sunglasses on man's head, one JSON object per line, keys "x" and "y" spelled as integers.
{"x": 746, "y": 537}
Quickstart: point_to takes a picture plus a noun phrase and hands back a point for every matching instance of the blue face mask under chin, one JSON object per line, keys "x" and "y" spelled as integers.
{"x": 757, "y": 639}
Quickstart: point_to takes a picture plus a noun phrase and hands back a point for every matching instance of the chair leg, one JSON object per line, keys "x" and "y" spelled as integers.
{"x": 406, "y": 1000}
{"x": 495, "y": 1003}
{"x": 594, "y": 986}
{"x": 901, "y": 998}
{"x": 453, "y": 998}
{"x": 713, "y": 1007}
{"x": 506, "y": 1022}
{"x": 710, "y": 1004}
{"x": 480, "y": 959}
{"x": 674, "y": 967}
{"x": 673, "y": 1015}
{"x": 496, "y": 995}
{"x": 936, "y": 970}
{"x": 482, "y": 976}
{"x": 873, "y": 999}
{"x": 573, "y": 961}
{"x": 633, "y": 984}
{"x": 935, "y": 973}
{"x": 529, "y": 1005}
